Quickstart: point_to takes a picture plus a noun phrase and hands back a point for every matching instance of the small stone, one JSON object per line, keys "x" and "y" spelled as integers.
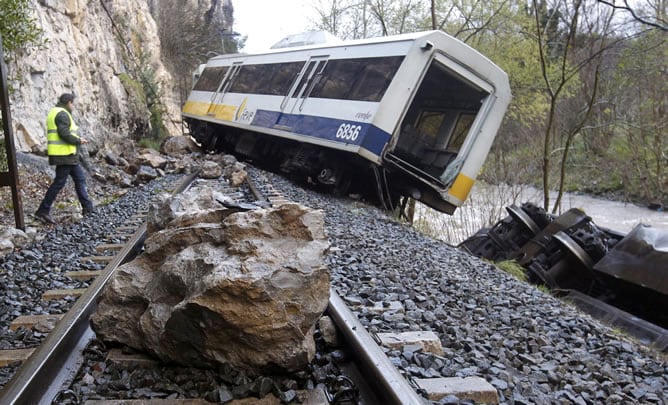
{"x": 288, "y": 396}
{"x": 499, "y": 384}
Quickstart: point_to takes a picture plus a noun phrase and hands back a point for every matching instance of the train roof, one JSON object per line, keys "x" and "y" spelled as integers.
{"x": 449, "y": 45}
{"x": 410, "y": 37}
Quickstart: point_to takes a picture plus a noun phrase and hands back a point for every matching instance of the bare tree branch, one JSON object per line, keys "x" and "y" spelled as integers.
{"x": 662, "y": 25}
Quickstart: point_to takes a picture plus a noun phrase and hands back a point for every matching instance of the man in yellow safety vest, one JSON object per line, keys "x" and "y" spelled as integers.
{"x": 62, "y": 146}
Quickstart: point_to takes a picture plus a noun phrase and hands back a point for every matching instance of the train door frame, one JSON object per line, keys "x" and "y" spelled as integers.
{"x": 219, "y": 94}
{"x": 300, "y": 88}
{"x": 407, "y": 131}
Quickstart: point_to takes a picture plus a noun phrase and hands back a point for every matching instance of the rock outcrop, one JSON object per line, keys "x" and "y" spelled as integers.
{"x": 219, "y": 286}
{"x": 93, "y": 49}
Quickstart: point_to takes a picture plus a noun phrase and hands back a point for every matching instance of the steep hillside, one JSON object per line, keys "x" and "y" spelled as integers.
{"x": 109, "y": 53}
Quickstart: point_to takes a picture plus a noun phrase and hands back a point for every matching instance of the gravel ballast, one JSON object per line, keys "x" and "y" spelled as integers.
{"x": 532, "y": 347}
{"x": 27, "y": 273}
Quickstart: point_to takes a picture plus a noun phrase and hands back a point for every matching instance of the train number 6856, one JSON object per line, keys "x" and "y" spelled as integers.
{"x": 348, "y": 132}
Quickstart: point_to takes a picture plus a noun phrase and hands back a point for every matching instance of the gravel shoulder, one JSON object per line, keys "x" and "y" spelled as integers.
{"x": 531, "y": 346}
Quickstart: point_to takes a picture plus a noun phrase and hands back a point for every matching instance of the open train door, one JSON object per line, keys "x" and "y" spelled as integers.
{"x": 441, "y": 120}
{"x": 217, "y": 108}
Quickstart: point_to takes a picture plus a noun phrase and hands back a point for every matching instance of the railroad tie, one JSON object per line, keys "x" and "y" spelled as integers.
{"x": 473, "y": 388}
{"x": 60, "y": 294}
{"x": 8, "y": 357}
{"x": 97, "y": 259}
{"x": 427, "y": 341}
{"x": 109, "y": 246}
{"x": 28, "y": 321}
{"x": 83, "y": 275}
{"x": 120, "y": 236}
{"x": 126, "y": 360}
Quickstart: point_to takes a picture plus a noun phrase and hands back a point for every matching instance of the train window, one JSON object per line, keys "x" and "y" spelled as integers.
{"x": 461, "y": 130}
{"x": 299, "y": 90}
{"x": 364, "y": 79}
{"x": 274, "y": 78}
{"x": 375, "y": 79}
{"x": 283, "y": 76}
{"x": 430, "y": 124}
{"x": 248, "y": 78}
{"x": 210, "y": 78}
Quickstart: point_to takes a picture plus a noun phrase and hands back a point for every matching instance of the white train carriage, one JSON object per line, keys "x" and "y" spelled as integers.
{"x": 408, "y": 115}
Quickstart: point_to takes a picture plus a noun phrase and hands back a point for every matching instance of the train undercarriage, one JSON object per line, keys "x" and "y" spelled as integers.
{"x": 621, "y": 279}
{"x": 337, "y": 172}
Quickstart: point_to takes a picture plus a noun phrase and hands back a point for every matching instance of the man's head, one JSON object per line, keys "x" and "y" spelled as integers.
{"x": 67, "y": 101}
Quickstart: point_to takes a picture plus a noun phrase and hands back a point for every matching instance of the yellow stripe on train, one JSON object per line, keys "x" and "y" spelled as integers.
{"x": 196, "y": 107}
{"x": 218, "y": 111}
{"x": 461, "y": 187}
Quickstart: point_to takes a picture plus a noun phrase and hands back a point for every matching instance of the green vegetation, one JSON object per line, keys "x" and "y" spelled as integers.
{"x": 588, "y": 82}
{"x": 140, "y": 82}
{"x": 108, "y": 200}
{"x": 150, "y": 143}
{"x": 513, "y": 268}
{"x": 19, "y": 29}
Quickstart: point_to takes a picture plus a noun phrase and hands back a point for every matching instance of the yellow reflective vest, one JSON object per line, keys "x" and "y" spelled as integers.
{"x": 55, "y": 145}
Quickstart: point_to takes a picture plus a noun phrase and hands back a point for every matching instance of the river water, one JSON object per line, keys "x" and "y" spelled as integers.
{"x": 486, "y": 205}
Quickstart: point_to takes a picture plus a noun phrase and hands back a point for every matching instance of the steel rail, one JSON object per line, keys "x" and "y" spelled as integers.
{"x": 57, "y": 359}
{"x": 392, "y": 387}
{"x": 389, "y": 385}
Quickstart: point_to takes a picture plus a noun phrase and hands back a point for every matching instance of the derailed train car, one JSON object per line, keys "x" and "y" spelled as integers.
{"x": 408, "y": 115}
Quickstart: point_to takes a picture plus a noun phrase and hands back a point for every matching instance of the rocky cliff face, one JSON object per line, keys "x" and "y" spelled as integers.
{"x": 95, "y": 49}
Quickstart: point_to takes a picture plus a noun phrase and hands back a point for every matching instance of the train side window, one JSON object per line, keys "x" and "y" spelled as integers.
{"x": 305, "y": 78}
{"x": 429, "y": 125}
{"x": 283, "y": 76}
{"x": 210, "y": 78}
{"x": 247, "y": 80}
{"x": 376, "y": 78}
{"x": 364, "y": 79}
{"x": 338, "y": 79}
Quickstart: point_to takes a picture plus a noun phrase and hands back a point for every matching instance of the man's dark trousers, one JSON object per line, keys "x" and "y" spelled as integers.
{"x": 62, "y": 171}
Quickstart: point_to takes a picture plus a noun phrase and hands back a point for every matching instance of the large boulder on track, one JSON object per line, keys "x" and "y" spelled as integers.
{"x": 219, "y": 286}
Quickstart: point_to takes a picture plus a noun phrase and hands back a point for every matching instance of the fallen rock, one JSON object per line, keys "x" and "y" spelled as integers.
{"x": 237, "y": 178}
{"x": 210, "y": 170}
{"x": 11, "y": 238}
{"x": 151, "y": 158}
{"x": 219, "y": 286}
{"x": 111, "y": 158}
{"x": 329, "y": 333}
{"x": 145, "y": 174}
{"x": 177, "y": 146}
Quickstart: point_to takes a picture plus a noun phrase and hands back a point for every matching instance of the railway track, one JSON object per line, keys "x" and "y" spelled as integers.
{"x": 58, "y": 358}
{"x": 369, "y": 373}
{"x": 382, "y": 382}
{"x": 60, "y": 355}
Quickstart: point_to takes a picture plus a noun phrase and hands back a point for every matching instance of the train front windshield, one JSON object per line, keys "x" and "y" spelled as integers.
{"x": 437, "y": 122}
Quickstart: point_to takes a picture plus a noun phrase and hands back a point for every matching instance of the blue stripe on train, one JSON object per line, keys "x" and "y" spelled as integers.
{"x": 371, "y": 137}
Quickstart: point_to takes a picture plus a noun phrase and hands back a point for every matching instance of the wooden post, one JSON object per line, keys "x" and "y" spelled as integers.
{"x": 10, "y": 178}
